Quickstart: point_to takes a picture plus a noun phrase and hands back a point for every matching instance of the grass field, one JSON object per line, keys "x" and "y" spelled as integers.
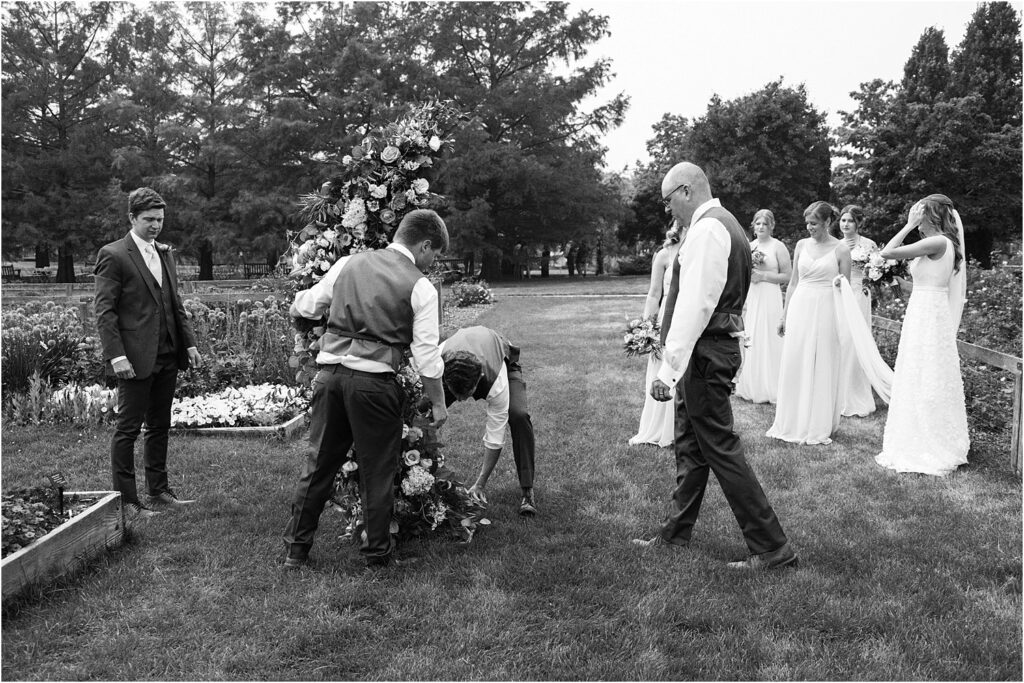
{"x": 902, "y": 577}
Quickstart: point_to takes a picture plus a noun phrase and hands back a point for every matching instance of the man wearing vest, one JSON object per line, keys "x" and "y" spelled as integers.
{"x": 378, "y": 304}
{"x": 481, "y": 364}
{"x": 146, "y": 338}
{"x": 703, "y": 320}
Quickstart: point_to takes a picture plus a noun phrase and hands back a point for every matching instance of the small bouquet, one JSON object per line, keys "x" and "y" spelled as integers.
{"x": 861, "y": 254}
{"x": 757, "y": 257}
{"x": 880, "y": 273}
{"x": 642, "y": 336}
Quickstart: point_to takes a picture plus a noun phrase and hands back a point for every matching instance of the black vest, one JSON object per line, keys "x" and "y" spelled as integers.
{"x": 371, "y": 312}
{"x": 491, "y": 348}
{"x": 728, "y": 315}
{"x": 168, "y": 323}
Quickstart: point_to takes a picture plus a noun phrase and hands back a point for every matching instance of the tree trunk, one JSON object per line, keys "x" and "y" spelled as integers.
{"x": 205, "y": 260}
{"x": 490, "y": 266}
{"x": 599, "y": 266}
{"x": 545, "y": 262}
{"x": 65, "y": 262}
{"x": 42, "y": 255}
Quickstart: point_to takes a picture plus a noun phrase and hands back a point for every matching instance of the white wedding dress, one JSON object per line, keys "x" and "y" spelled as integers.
{"x": 759, "y": 376}
{"x": 657, "y": 421}
{"x": 856, "y": 390}
{"x": 808, "y": 408}
{"x": 926, "y": 429}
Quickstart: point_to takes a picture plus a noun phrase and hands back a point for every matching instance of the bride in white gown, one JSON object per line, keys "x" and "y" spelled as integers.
{"x": 657, "y": 421}
{"x": 926, "y": 429}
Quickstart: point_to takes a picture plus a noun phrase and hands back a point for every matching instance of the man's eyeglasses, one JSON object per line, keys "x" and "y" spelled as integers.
{"x": 667, "y": 198}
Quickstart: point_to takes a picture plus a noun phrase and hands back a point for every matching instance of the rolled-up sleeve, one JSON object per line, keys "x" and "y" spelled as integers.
{"x": 314, "y": 302}
{"x": 497, "y": 411}
{"x": 425, "y": 331}
{"x": 703, "y": 268}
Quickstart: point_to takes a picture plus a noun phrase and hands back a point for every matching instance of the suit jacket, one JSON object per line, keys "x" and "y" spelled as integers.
{"x": 127, "y": 306}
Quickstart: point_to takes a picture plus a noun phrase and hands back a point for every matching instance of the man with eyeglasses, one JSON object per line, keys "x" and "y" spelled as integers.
{"x": 481, "y": 364}
{"x": 700, "y": 358}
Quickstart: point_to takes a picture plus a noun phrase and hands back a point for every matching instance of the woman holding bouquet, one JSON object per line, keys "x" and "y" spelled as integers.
{"x": 657, "y": 421}
{"x": 759, "y": 376}
{"x": 856, "y": 399}
{"x": 809, "y": 406}
{"x": 926, "y": 429}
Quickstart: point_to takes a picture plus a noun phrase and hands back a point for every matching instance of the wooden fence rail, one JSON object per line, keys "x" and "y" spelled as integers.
{"x": 996, "y": 359}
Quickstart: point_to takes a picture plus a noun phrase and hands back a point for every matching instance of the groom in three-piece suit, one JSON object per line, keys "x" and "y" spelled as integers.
{"x": 701, "y": 356}
{"x": 146, "y": 339}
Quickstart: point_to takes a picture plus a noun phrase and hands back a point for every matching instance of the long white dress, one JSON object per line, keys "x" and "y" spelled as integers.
{"x": 926, "y": 429}
{"x": 856, "y": 391}
{"x": 808, "y": 407}
{"x": 759, "y": 377}
{"x": 657, "y": 421}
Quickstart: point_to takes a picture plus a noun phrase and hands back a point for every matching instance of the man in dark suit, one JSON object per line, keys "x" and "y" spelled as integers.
{"x": 701, "y": 355}
{"x": 481, "y": 364}
{"x": 146, "y": 339}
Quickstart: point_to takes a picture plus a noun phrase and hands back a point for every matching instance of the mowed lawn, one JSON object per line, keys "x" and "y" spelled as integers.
{"x": 902, "y": 577}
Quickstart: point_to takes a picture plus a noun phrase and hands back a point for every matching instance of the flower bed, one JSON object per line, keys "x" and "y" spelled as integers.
{"x": 39, "y": 543}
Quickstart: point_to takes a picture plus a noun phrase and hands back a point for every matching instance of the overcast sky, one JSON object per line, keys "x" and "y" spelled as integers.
{"x": 672, "y": 56}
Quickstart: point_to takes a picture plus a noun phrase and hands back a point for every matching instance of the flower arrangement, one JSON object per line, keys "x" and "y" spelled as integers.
{"x": 757, "y": 257}
{"x": 879, "y": 272}
{"x": 643, "y": 336}
{"x": 427, "y": 495}
{"x": 381, "y": 179}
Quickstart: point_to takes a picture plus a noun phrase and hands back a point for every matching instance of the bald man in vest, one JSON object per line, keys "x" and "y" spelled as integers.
{"x": 701, "y": 356}
{"x": 481, "y": 364}
{"x": 378, "y": 304}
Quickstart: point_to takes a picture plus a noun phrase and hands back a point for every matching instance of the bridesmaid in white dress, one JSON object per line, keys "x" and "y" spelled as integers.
{"x": 657, "y": 421}
{"x": 926, "y": 429}
{"x": 759, "y": 376}
{"x": 809, "y": 406}
{"x": 857, "y": 399}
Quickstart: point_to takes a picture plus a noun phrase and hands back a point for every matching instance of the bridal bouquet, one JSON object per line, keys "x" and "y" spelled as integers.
{"x": 880, "y": 273}
{"x": 643, "y": 336}
{"x": 757, "y": 257}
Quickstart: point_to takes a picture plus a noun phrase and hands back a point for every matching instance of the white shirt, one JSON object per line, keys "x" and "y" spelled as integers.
{"x": 703, "y": 268}
{"x": 497, "y": 410}
{"x": 148, "y": 251}
{"x": 315, "y": 302}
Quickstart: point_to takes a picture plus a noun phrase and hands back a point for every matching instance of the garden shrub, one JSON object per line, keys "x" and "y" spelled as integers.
{"x": 462, "y": 294}
{"x": 48, "y": 339}
{"x": 634, "y": 265}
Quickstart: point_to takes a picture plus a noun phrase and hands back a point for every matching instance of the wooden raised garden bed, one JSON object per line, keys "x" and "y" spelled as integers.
{"x": 98, "y": 527}
{"x": 288, "y": 430}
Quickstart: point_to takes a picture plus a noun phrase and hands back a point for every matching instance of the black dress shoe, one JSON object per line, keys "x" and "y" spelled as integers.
{"x": 656, "y": 542}
{"x": 779, "y": 558}
{"x": 528, "y": 506}
{"x": 167, "y": 498}
{"x": 293, "y": 563}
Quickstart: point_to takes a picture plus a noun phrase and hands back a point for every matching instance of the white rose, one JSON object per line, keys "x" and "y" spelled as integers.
{"x": 420, "y": 185}
{"x": 347, "y": 159}
{"x": 435, "y": 143}
{"x": 378, "y": 191}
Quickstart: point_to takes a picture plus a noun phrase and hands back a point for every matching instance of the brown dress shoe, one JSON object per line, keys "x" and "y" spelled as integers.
{"x": 775, "y": 559}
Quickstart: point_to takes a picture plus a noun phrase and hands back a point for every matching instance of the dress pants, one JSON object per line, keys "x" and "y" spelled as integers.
{"x": 351, "y": 408}
{"x": 148, "y": 399}
{"x": 705, "y": 440}
{"x": 520, "y": 425}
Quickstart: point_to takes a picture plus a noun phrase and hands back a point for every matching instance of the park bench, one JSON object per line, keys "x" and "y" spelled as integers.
{"x": 256, "y": 270}
{"x": 11, "y": 273}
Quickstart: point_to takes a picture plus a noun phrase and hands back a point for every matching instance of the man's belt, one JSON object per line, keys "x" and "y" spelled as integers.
{"x": 396, "y": 350}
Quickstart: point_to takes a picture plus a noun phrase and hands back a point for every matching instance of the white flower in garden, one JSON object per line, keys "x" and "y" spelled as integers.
{"x": 426, "y": 463}
{"x": 410, "y": 195}
{"x": 405, "y": 430}
{"x": 330, "y": 234}
{"x": 410, "y": 165}
{"x": 347, "y": 159}
{"x": 378, "y": 191}
{"x": 355, "y": 213}
{"x": 387, "y": 216}
{"x": 420, "y": 185}
{"x": 418, "y": 481}
{"x": 435, "y": 143}
{"x": 349, "y": 466}
{"x": 390, "y": 154}
{"x": 411, "y": 457}
{"x": 359, "y": 231}
{"x": 372, "y": 205}
{"x": 323, "y": 242}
